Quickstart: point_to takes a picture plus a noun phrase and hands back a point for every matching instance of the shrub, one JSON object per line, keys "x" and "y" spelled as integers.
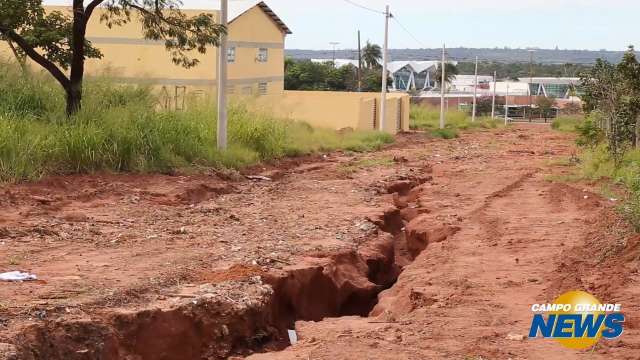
{"x": 589, "y": 133}
{"x": 445, "y": 133}
{"x": 566, "y": 123}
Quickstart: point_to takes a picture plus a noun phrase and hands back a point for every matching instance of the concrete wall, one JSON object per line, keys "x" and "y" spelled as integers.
{"x": 340, "y": 110}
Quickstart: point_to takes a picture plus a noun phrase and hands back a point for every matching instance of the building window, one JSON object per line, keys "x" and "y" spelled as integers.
{"x": 231, "y": 54}
{"x": 262, "y": 88}
{"x": 263, "y": 55}
{"x": 247, "y": 90}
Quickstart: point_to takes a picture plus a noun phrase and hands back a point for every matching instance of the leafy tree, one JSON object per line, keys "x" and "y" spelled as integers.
{"x": 372, "y": 80}
{"x": 485, "y": 103}
{"x": 20, "y": 58}
{"x": 629, "y": 69}
{"x": 58, "y": 43}
{"x": 589, "y": 133}
{"x": 371, "y": 55}
{"x": 545, "y": 106}
{"x": 614, "y": 92}
{"x": 451, "y": 71}
{"x": 308, "y": 75}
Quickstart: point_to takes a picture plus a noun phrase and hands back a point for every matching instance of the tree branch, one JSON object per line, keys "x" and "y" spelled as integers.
{"x": 35, "y": 56}
{"x": 158, "y": 13}
{"x": 92, "y": 6}
{"x": 19, "y": 58}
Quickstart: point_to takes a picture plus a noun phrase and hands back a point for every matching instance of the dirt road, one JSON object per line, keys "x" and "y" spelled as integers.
{"x": 429, "y": 249}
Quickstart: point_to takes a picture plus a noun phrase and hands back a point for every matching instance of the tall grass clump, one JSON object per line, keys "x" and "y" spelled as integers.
{"x": 597, "y": 164}
{"x": 27, "y": 94}
{"x": 567, "y": 123}
{"x": 428, "y": 119}
{"x": 120, "y": 129}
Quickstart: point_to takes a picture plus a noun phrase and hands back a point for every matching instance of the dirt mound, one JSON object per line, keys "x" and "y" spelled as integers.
{"x": 423, "y": 230}
{"x": 209, "y": 322}
{"x": 203, "y": 192}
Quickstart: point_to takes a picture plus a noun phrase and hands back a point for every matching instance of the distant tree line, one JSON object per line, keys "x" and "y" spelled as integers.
{"x": 314, "y": 76}
{"x": 503, "y": 55}
{"x": 517, "y": 71}
{"x": 326, "y": 76}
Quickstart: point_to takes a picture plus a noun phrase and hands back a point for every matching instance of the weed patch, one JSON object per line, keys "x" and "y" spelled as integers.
{"x": 428, "y": 119}
{"x": 119, "y": 129}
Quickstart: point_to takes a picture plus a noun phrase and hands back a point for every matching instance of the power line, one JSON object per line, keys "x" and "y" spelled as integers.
{"x": 363, "y": 7}
{"x": 408, "y": 32}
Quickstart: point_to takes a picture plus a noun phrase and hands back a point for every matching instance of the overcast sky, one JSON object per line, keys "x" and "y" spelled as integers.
{"x": 568, "y": 24}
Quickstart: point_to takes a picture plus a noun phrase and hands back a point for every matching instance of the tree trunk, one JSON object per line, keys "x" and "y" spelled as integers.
{"x": 74, "y": 99}
{"x": 637, "y": 131}
{"x": 74, "y": 91}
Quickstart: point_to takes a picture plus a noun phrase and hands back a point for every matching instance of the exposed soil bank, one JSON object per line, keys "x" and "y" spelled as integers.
{"x": 214, "y": 321}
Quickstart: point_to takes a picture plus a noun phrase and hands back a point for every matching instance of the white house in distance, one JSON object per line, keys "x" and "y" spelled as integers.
{"x": 466, "y": 83}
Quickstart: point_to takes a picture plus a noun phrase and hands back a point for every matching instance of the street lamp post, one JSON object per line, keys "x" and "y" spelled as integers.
{"x": 334, "y": 44}
{"x": 531, "y": 51}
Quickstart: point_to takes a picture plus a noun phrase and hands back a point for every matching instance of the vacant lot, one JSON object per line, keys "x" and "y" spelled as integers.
{"x": 425, "y": 249}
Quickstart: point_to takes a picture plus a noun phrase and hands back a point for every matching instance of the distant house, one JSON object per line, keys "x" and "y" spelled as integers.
{"x": 466, "y": 83}
{"x": 337, "y": 62}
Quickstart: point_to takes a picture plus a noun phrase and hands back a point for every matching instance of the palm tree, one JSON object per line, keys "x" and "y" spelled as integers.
{"x": 450, "y": 73}
{"x": 371, "y": 55}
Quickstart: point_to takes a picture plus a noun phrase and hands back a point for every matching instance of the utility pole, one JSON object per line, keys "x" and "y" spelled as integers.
{"x": 475, "y": 93}
{"x": 334, "y": 44}
{"x": 506, "y": 107}
{"x": 531, "y": 51}
{"x": 359, "y": 64}
{"x": 493, "y": 102}
{"x": 222, "y": 79}
{"x": 383, "y": 104}
{"x": 442, "y": 82}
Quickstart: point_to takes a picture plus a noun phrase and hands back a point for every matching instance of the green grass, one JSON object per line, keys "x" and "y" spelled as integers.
{"x": 597, "y": 164}
{"x": 428, "y": 119}
{"x": 446, "y": 133}
{"x": 119, "y": 129}
{"x": 567, "y": 123}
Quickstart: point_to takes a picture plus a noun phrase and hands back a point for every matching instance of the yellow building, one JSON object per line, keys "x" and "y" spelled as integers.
{"x": 256, "y": 68}
{"x": 255, "y": 55}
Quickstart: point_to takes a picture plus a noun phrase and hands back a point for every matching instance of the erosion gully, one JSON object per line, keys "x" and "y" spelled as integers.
{"x": 213, "y": 322}
{"x": 498, "y": 236}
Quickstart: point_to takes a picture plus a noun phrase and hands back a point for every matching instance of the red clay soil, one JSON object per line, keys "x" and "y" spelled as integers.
{"x": 211, "y": 266}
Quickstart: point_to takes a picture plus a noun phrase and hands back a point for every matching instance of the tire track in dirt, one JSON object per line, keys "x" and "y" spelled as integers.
{"x": 469, "y": 296}
{"x": 496, "y": 237}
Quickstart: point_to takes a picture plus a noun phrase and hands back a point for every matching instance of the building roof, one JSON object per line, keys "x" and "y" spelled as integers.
{"x": 515, "y": 88}
{"x": 416, "y": 66}
{"x": 469, "y": 80}
{"x": 551, "y": 80}
{"x": 239, "y": 7}
{"x": 338, "y": 62}
{"x": 236, "y": 9}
